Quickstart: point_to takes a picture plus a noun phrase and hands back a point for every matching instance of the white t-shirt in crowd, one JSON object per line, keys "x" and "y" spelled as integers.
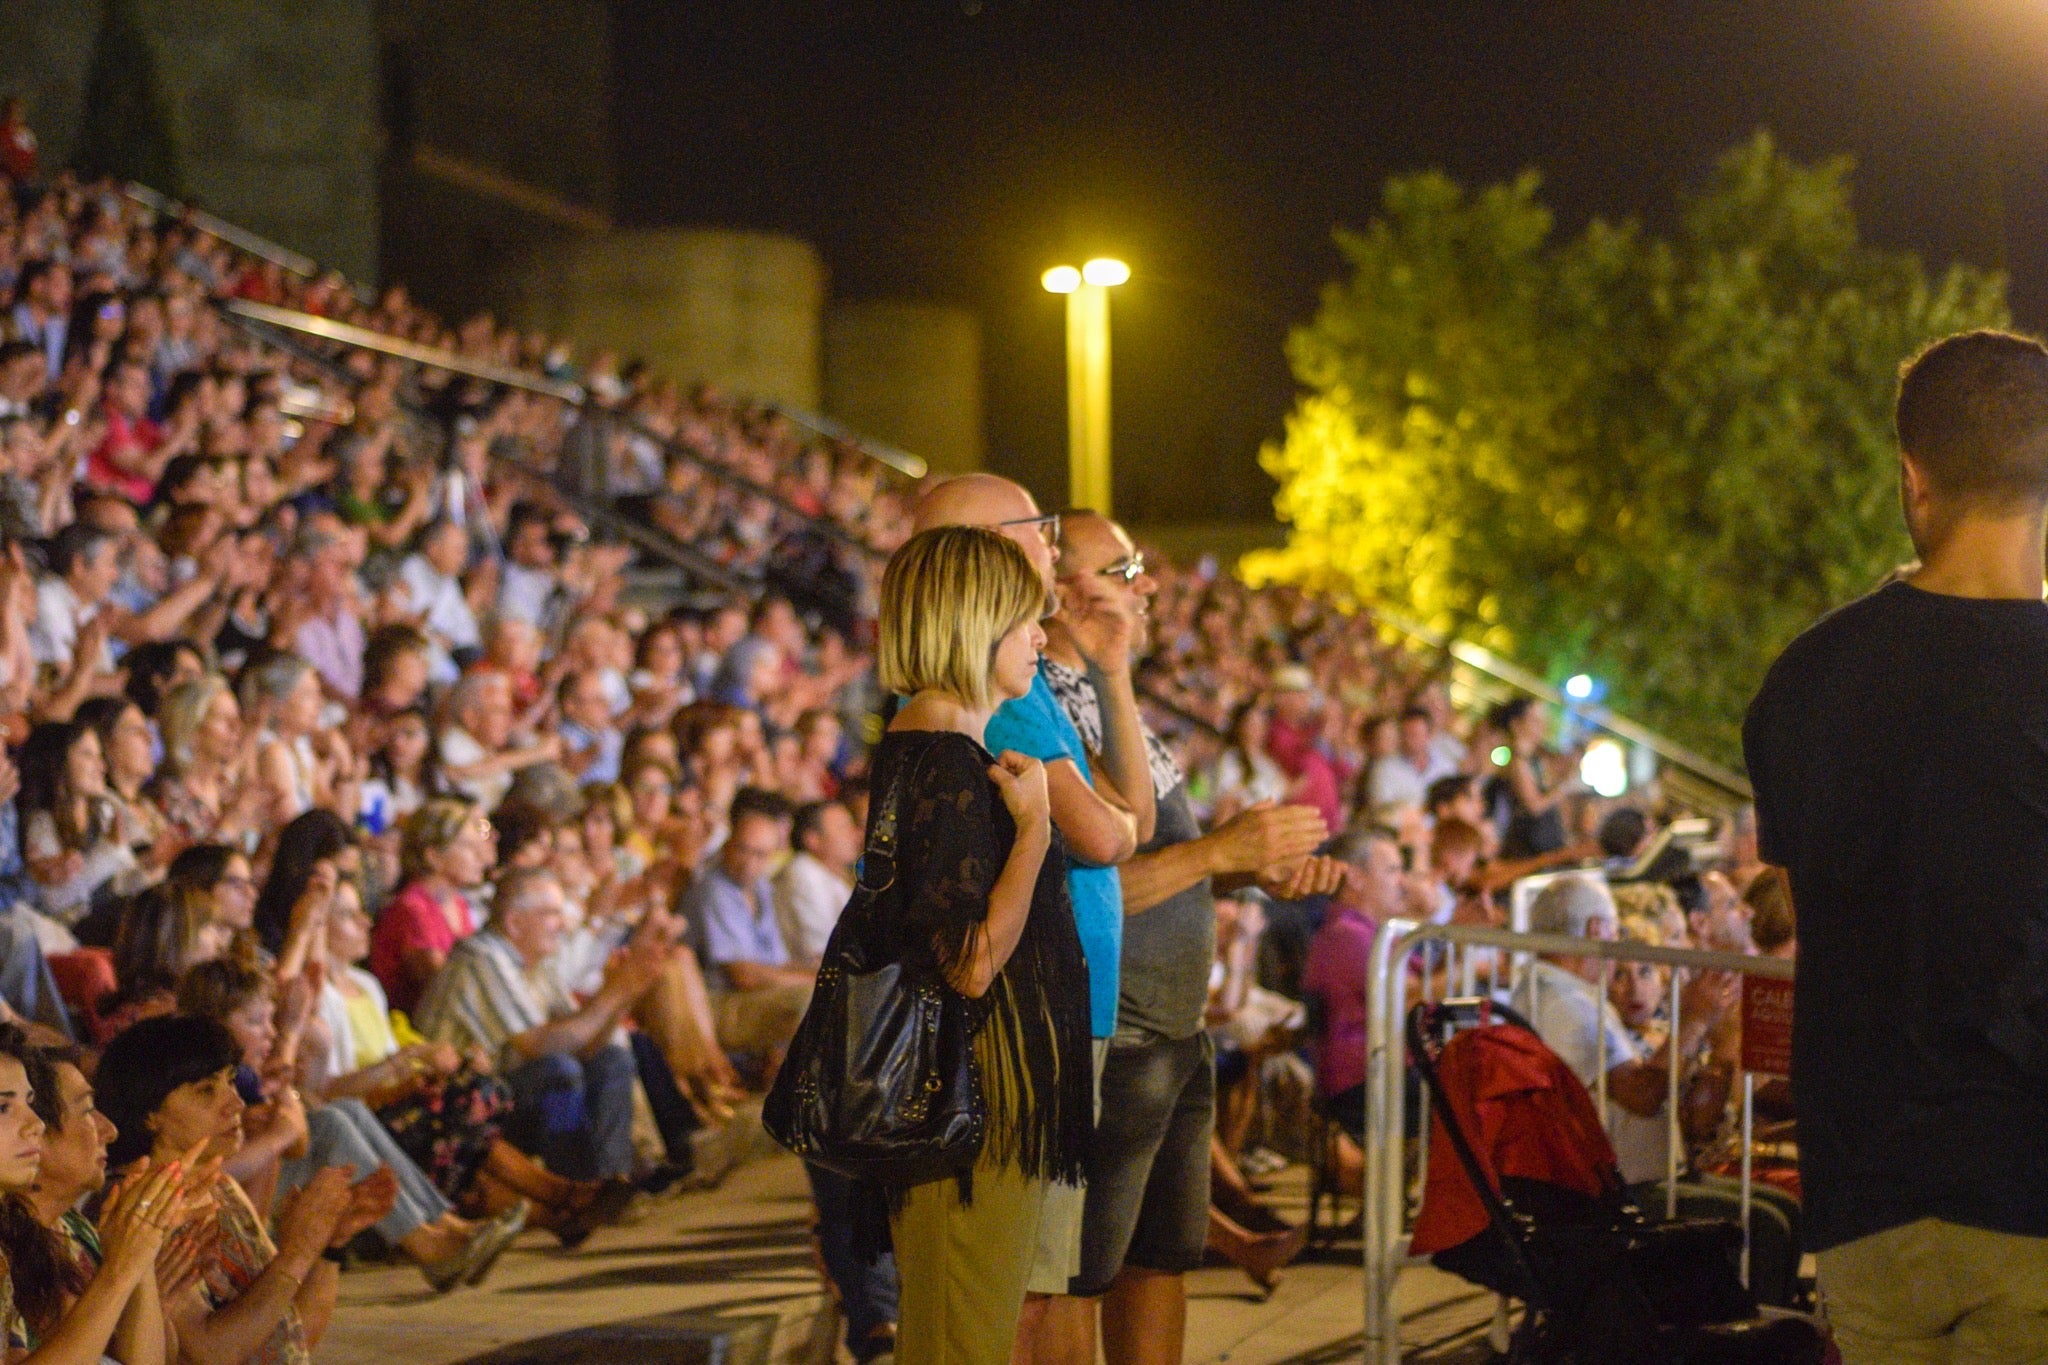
{"x": 1398, "y": 783}
{"x": 59, "y": 615}
{"x": 1569, "y": 1015}
{"x": 523, "y": 593}
{"x": 440, "y": 598}
{"x": 459, "y": 749}
{"x": 808, "y": 899}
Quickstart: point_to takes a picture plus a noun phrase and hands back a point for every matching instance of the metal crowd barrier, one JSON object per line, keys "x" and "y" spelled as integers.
{"x": 1466, "y": 960}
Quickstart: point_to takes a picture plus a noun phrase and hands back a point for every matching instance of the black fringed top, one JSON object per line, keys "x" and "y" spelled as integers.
{"x": 1032, "y": 1029}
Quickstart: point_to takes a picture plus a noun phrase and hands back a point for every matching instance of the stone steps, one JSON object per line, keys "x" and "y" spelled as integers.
{"x": 727, "y": 1275}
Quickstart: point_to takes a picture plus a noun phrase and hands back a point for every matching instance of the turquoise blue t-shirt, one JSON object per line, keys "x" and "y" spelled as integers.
{"x": 1034, "y": 724}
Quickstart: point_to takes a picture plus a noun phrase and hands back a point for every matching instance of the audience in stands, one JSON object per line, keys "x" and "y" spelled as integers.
{"x": 311, "y": 663}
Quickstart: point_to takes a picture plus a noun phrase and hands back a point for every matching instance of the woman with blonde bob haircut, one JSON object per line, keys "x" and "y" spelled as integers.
{"x": 949, "y": 598}
{"x": 982, "y": 907}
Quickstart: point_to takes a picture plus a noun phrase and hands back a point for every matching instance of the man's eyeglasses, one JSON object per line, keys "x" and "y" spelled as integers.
{"x": 1048, "y": 526}
{"x": 1129, "y": 570}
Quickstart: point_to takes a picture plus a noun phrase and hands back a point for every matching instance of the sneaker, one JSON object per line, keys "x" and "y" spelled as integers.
{"x": 479, "y": 1253}
{"x": 502, "y": 1232}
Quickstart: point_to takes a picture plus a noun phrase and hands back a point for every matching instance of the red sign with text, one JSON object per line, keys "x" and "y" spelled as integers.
{"x": 1766, "y": 1026}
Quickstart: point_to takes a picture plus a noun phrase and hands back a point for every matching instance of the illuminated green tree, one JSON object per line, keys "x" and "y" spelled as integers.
{"x": 1653, "y": 460}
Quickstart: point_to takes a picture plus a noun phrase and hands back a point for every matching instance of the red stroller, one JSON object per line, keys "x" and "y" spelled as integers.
{"x": 1525, "y": 1198}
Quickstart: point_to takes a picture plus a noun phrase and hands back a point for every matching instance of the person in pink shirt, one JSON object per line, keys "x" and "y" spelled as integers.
{"x": 1339, "y": 961}
{"x": 449, "y": 845}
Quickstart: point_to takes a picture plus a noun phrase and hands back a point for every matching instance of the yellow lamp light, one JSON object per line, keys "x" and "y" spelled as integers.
{"x": 1061, "y": 279}
{"x": 1106, "y": 271}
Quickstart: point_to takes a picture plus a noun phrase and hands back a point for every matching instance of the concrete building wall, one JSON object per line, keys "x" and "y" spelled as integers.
{"x": 909, "y": 374}
{"x": 520, "y": 86}
{"x": 44, "y": 60}
{"x": 743, "y": 310}
{"x": 273, "y": 108}
{"x": 513, "y": 90}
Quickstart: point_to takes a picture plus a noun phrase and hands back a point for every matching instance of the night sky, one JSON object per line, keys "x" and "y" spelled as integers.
{"x": 952, "y": 151}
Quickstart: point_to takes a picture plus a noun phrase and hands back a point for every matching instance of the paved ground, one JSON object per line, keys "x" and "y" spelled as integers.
{"x": 742, "y": 1252}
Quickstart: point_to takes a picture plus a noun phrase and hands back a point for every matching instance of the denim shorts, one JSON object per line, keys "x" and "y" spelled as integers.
{"x": 1148, "y": 1168}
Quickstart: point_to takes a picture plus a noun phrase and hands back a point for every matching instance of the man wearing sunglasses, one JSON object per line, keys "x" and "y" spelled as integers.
{"x": 1146, "y": 1215}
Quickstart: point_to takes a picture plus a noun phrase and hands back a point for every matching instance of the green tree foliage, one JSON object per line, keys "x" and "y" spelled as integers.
{"x": 1653, "y": 460}
{"x": 127, "y": 129}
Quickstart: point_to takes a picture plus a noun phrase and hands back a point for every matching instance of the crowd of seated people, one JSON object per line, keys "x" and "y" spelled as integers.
{"x": 349, "y": 817}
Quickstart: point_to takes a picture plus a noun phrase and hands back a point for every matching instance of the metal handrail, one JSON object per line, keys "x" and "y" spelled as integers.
{"x": 436, "y": 357}
{"x": 441, "y": 358}
{"x": 240, "y": 238}
{"x": 881, "y": 452}
{"x": 1620, "y": 726}
{"x": 648, "y": 538}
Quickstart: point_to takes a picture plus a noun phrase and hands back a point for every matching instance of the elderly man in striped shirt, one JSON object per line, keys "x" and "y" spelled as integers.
{"x": 571, "y": 1075}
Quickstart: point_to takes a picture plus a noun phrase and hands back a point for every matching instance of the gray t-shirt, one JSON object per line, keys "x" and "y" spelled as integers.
{"x": 1168, "y": 949}
{"x": 1164, "y": 978}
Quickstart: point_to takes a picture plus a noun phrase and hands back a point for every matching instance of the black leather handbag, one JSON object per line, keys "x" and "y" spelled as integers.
{"x": 880, "y": 1082}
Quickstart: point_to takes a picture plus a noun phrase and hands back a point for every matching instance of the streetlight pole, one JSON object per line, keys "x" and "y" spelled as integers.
{"x": 1087, "y": 291}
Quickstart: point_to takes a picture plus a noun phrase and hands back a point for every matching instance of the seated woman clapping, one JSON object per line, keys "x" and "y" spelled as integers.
{"x": 449, "y": 1250}
{"x": 74, "y": 1171}
{"x": 168, "y": 1087}
{"x": 49, "y": 1310}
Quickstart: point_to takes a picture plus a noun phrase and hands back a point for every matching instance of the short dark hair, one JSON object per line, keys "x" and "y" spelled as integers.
{"x": 519, "y": 823}
{"x": 147, "y": 1061}
{"x": 216, "y": 988}
{"x": 1621, "y": 833}
{"x": 1445, "y": 790}
{"x": 385, "y": 646}
{"x": 120, "y": 361}
{"x": 758, "y": 801}
{"x": 1972, "y": 413}
{"x": 31, "y": 272}
{"x": 1772, "y": 923}
{"x": 150, "y": 664}
{"x": 76, "y": 542}
{"x": 1413, "y": 712}
{"x": 202, "y": 866}
{"x": 809, "y": 818}
{"x": 1509, "y": 711}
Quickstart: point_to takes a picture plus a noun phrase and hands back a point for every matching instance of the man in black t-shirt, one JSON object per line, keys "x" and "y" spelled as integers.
{"x": 1899, "y": 751}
